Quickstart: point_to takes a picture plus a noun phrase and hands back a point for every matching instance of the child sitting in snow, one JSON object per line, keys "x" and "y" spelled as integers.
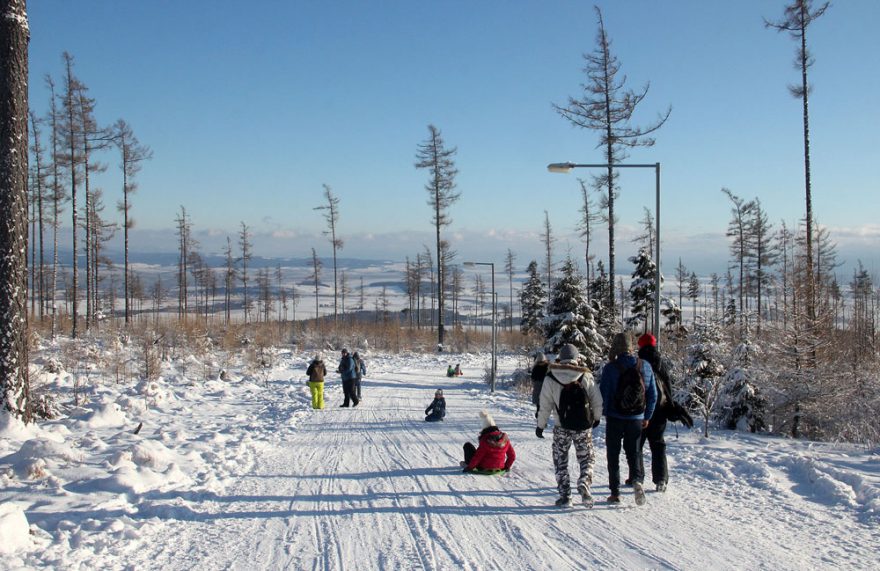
{"x": 495, "y": 453}
{"x": 450, "y": 371}
{"x": 437, "y": 409}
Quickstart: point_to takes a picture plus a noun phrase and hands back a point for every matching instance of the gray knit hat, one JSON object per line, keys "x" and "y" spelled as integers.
{"x": 540, "y": 357}
{"x": 568, "y": 353}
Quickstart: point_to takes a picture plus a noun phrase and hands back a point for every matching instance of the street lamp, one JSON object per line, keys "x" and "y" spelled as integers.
{"x": 566, "y": 167}
{"x": 494, "y": 319}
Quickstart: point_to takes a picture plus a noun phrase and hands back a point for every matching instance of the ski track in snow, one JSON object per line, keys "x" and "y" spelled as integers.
{"x": 376, "y": 487}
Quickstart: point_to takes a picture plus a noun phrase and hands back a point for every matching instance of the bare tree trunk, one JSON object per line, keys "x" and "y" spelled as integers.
{"x": 14, "y": 35}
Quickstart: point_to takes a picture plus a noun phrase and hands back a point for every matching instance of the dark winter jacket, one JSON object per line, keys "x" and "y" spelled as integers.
{"x": 495, "y": 451}
{"x": 539, "y": 371}
{"x": 316, "y": 372}
{"x": 360, "y": 368}
{"x": 650, "y": 354}
{"x": 436, "y": 410}
{"x": 346, "y": 368}
{"x": 608, "y": 386}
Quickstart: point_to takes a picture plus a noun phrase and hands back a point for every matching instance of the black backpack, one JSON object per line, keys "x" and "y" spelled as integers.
{"x": 630, "y": 398}
{"x": 574, "y": 410}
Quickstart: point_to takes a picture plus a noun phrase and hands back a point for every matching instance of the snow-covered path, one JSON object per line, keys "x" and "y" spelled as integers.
{"x": 375, "y": 487}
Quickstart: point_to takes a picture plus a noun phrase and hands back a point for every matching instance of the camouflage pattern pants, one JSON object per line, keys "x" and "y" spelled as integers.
{"x": 563, "y": 438}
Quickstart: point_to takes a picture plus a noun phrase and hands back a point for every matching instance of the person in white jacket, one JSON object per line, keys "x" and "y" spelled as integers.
{"x": 573, "y": 398}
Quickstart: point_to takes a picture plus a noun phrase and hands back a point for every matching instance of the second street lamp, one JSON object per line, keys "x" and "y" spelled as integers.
{"x": 494, "y": 320}
{"x": 566, "y": 167}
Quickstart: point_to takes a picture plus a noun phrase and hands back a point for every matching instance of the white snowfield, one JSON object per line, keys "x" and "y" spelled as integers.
{"x": 240, "y": 475}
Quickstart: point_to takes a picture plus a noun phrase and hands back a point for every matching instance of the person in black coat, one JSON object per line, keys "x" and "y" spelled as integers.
{"x": 657, "y": 427}
{"x": 539, "y": 371}
{"x": 437, "y": 409}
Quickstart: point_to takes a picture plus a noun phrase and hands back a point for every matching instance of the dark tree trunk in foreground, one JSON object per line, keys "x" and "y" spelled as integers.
{"x": 14, "y": 35}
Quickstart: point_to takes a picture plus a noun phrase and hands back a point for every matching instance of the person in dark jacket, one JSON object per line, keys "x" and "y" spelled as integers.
{"x": 654, "y": 433}
{"x": 360, "y": 371}
{"x": 437, "y": 409}
{"x": 346, "y": 370}
{"x": 317, "y": 371}
{"x": 622, "y": 426}
{"x": 495, "y": 453}
{"x": 539, "y": 371}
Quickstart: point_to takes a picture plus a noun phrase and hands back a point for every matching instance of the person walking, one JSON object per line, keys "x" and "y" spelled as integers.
{"x": 539, "y": 371}
{"x": 360, "y": 371}
{"x": 629, "y": 395}
{"x": 316, "y": 371}
{"x": 346, "y": 370}
{"x": 657, "y": 427}
{"x": 570, "y": 394}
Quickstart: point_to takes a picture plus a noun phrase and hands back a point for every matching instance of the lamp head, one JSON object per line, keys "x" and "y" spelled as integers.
{"x": 560, "y": 167}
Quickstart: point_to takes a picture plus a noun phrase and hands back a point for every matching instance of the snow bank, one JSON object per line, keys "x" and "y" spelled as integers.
{"x": 14, "y": 529}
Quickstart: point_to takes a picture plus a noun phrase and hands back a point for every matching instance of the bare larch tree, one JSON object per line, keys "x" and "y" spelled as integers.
{"x": 331, "y": 215}
{"x": 606, "y": 106}
{"x": 797, "y": 18}
{"x": 133, "y": 153}
{"x": 433, "y": 155}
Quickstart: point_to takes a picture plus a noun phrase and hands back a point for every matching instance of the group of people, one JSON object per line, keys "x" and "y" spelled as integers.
{"x": 352, "y": 369}
{"x": 635, "y": 397}
{"x": 454, "y": 371}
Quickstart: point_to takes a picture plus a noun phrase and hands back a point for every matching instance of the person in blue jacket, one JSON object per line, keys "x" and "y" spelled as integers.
{"x": 347, "y": 371}
{"x": 625, "y": 426}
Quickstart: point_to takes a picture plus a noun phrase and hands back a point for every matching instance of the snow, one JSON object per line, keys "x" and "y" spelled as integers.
{"x": 243, "y": 474}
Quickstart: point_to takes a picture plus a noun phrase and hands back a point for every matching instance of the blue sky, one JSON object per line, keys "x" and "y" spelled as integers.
{"x": 251, "y": 107}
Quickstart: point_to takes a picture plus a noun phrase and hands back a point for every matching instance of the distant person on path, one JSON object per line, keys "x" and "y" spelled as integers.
{"x": 317, "y": 371}
{"x": 539, "y": 371}
{"x": 360, "y": 371}
{"x": 629, "y": 395}
{"x": 437, "y": 409}
{"x": 494, "y": 454}
{"x": 346, "y": 370}
{"x": 571, "y": 395}
{"x": 450, "y": 371}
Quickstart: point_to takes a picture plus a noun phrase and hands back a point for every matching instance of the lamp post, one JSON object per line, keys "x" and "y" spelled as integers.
{"x": 566, "y": 167}
{"x": 494, "y": 319}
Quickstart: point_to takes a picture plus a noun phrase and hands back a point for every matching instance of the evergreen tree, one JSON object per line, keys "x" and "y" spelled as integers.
{"x": 570, "y": 319}
{"x": 742, "y": 404}
{"x": 705, "y": 370}
{"x": 641, "y": 289}
{"x": 532, "y": 301}
{"x": 599, "y": 289}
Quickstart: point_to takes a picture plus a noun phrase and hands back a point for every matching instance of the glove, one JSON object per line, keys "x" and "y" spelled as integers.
{"x": 595, "y": 423}
{"x": 539, "y": 432}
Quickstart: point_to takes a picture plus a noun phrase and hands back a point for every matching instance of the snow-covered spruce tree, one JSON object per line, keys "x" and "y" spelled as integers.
{"x": 705, "y": 371}
{"x": 599, "y": 288}
{"x": 641, "y": 290}
{"x": 570, "y": 319}
{"x": 14, "y": 388}
{"x": 532, "y": 301}
{"x": 743, "y": 404}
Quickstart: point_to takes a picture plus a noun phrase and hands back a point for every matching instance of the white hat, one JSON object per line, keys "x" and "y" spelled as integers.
{"x": 319, "y": 356}
{"x": 487, "y": 419}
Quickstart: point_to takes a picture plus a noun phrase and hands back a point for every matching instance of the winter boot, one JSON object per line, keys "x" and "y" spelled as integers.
{"x": 639, "y": 493}
{"x": 613, "y": 499}
{"x": 563, "y": 501}
{"x": 661, "y": 487}
{"x": 586, "y": 496}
